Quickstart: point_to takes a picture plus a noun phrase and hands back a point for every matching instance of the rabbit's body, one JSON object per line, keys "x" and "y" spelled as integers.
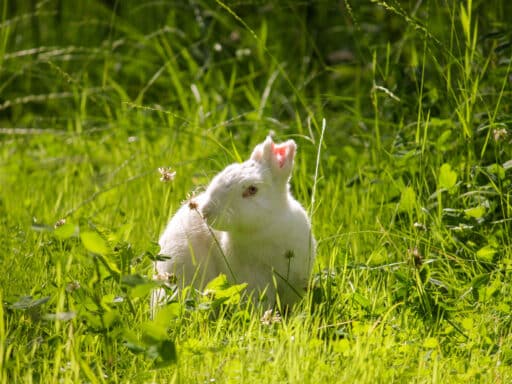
{"x": 194, "y": 257}
{"x": 287, "y": 260}
{"x": 262, "y": 234}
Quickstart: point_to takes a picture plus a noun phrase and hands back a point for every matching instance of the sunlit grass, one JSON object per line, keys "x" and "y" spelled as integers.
{"x": 411, "y": 210}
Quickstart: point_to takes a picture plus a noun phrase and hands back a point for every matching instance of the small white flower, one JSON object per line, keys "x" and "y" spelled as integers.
{"x": 167, "y": 174}
{"x": 270, "y": 317}
{"x": 420, "y": 226}
{"x": 235, "y": 36}
{"x": 499, "y": 134}
{"x": 73, "y": 286}
{"x": 59, "y": 223}
{"x": 164, "y": 276}
{"x": 242, "y": 52}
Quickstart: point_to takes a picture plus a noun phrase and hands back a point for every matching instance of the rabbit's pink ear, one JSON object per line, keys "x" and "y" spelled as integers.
{"x": 279, "y": 157}
{"x": 283, "y": 154}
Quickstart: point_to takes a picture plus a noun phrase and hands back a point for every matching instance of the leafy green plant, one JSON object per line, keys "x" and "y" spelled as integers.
{"x": 407, "y": 181}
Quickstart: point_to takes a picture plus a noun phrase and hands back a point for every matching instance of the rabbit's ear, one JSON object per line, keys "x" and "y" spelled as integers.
{"x": 257, "y": 153}
{"x": 279, "y": 157}
{"x": 282, "y": 158}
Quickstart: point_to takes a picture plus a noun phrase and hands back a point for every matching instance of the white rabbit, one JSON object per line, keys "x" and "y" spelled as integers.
{"x": 262, "y": 234}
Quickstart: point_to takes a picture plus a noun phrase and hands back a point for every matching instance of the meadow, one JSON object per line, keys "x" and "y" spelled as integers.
{"x": 402, "y": 112}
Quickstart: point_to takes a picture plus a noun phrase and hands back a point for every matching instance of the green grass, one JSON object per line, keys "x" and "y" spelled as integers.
{"x": 412, "y": 205}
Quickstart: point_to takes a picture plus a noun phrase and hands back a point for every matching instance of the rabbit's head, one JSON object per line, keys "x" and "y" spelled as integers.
{"x": 248, "y": 196}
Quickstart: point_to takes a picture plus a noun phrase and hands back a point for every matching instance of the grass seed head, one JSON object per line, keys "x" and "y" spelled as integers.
{"x": 192, "y": 204}
{"x": 417, "y": 257}
{"x": 289, "y": 254}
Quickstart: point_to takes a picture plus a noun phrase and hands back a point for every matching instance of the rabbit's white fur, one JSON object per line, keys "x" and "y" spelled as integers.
{"x": 263, "y": 233}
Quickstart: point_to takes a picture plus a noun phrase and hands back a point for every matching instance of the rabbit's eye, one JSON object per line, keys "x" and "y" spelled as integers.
{"x": 250, "y": 191}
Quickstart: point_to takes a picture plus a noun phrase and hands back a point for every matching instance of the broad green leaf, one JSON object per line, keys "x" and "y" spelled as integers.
{"x": 134, "y": 280}
{"x": 107, "y": 300}
{"x": 447, "y": 177}
{"x": 65, "y": 231}
{"x": 93, "y": 319}
{"x": 480, "y": 280}
{"x": 142, "y": 290}
{"x": 166, "y": 353}
{"x": 476, "y": 212}
{"x": 130, "y": 336}
{"x": 217, "y": 284}
{"x": 407, "y": 200}
{"x": 486, "y": 253}
{"x": 430, "y": 342}
{"x": 94, "y": 243}
{"x": 153, "y": 332}
{"x": 467, "y": 323}
{"x": 497, "y": 170}
{"x": 363, "y": 301}
{"x": 252, "y": 116}
{"x": 167, "y": 314}
{"x": 225, "y": 292}
{"x": 106, "y": 268}
{"x": 493, "y": 288}
{"x": 110, "y": 318}
{"x": 341, "y": 346}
